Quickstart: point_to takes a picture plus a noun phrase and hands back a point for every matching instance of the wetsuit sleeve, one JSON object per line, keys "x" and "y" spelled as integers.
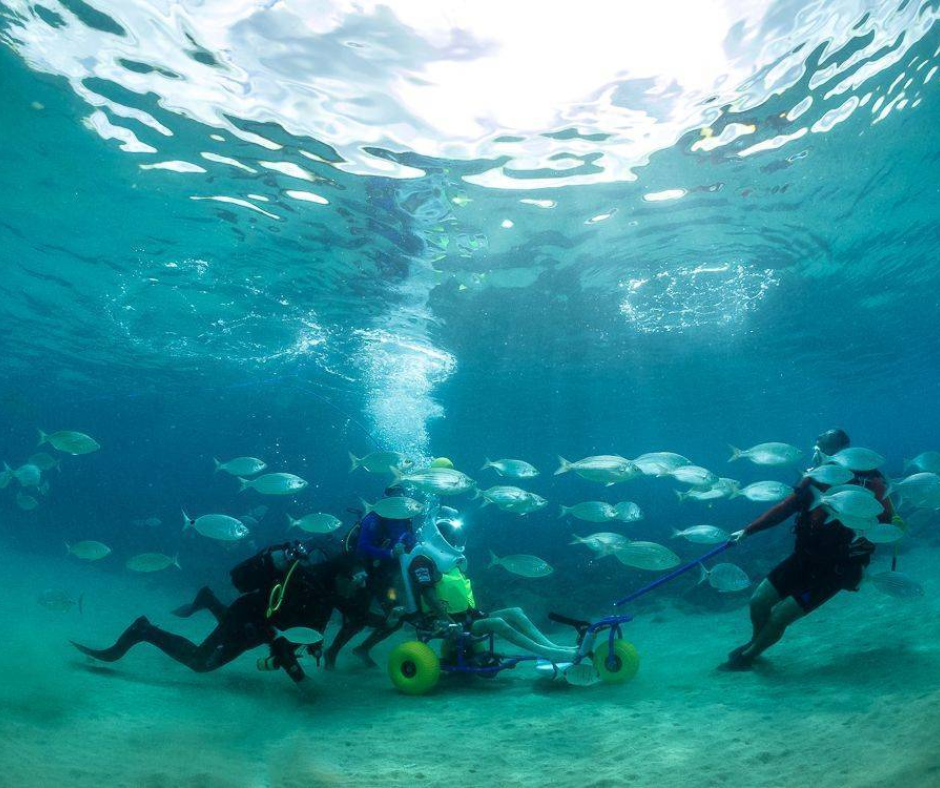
{"x": 788, "y": 507}
{"x": 879, "y": 488}
{"x": 369, "y": 544}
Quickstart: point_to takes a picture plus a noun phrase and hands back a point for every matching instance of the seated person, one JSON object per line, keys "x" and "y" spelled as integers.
{"x": 445, "y": 593}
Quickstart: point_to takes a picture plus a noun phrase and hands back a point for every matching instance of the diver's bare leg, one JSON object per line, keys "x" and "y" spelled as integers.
{"x": 782, "y": 616}
{"x": 502, "y": 629}
{"x": 375, "y": 637}
{"x": 763, "y": 601}
{"x": 516, "y": 618}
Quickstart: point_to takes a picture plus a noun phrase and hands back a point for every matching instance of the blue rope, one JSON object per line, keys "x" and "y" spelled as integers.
{"x": 673, "y": 574}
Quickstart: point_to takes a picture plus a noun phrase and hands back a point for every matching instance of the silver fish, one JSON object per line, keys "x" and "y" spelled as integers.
{"x": 304, "y": 636}
{"x": 26, "y": 502}
{"x": 514, "y": 469}
{"x": 605, "y": 468}
{"x": 660, "y": 463}
{"x": 59, "y": 601}
{"x": 646, "y": 555}
{"x": 88, "y": 550}
{"x": 830, "y": 474}
{"x": 725, "y": 578}
{"x": 240, "y": 466}
{"x": 216, "y": 526}
{"x": 764, "y": 492}
{"x": 856, "y": 502}
{"x": 768, "y": 454}
{"x": 395, "y": 508}
{"x": 628, "y": 512}
{"x": 928, "y": 462}
{"x": 379, "y": 462}
{"x": 897, "y": 584}
{"x": 436, "y": 481}
{"x": 701, "y": 534}
{"x": 274, "y": 484}
{"x": 590, "y": 511}
{"x": 318, "y": 523}
{"x": 28, "y": 475}
{"x": 502, "y": 495}
{"x": 922, "y": 490}
{"x": 70, "y": 442}
{"x": 529, "y": 566}
{"x": 45, "y": 462}
{"x": 603, "y": 543}
{"x": 694, "y": 475}
{"x": 857, "y": 459}
{"x": 525, "y": 505}
{"x": 883, "y": 533}
{"x": 151, "y": 562}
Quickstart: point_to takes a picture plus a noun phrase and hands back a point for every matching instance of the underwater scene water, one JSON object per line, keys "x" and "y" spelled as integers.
{"x": 612, "y": 242}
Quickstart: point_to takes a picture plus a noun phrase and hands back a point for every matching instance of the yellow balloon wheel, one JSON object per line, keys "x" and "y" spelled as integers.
{"x": 414, "y": 668}
{"x": 623, "y": 664}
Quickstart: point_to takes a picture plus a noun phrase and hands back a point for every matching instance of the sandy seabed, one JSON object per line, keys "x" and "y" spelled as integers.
{"x": 850, "y": 698}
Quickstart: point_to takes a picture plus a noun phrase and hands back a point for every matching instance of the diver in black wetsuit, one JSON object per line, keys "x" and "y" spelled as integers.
{"x": 313, "y": 580}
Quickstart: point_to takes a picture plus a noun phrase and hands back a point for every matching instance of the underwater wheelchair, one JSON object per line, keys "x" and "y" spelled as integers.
{"x": 416, "y": 669}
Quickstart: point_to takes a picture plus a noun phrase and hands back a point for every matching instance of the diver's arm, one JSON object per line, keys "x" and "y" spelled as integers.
{"x": 777, "y": 514}
{"x": 368, "y": 543}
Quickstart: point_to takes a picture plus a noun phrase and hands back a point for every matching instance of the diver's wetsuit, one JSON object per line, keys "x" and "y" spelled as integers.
{"x": 243, "y": 625}
{"x": 828, "y": 557}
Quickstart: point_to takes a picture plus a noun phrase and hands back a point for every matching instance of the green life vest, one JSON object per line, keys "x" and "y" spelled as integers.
{"x": 454, "y": 591}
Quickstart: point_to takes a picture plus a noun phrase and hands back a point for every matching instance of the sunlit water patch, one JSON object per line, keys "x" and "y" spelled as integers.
{"x": 690, "y": 297}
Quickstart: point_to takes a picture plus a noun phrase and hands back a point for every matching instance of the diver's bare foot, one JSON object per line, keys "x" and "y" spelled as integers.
{"x": 365, "y": 657}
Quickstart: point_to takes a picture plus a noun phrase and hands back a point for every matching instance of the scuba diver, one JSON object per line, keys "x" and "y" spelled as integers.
{"x": 379, "y": 544}
{"x": 439, "y": 595}
{"x": 295, "y": 584}
{"x": 827, "y": 558}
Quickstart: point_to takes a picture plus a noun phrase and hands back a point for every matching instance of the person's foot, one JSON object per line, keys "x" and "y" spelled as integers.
{"x": 738, "y": 660}
{"x": 365, "y": 657}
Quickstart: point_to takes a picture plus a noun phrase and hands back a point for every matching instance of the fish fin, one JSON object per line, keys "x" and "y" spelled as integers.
{"x": 890, "y": 488}
{"x": 563, "y": 466}
{"x": 176, "y": 561}
{"x": 366, "y": 506}
{"x": 494, "y": 560}
{"x": 735, "y": 493}
{"x": 736, "y": 453}
{"x": 564, "y": 511}
{"x": 703, "y": 574}
{"x": 81, "y": 604}
{"x": 353, "y": 462}
{"x": 187, "y": 520}
{"x": 676, "y": 533}
{"x": 817, "y": 498}
{"x": 68, "y": 549}
{"x": 681, "y": 495}
{"x": 487, "y": 464}
{"x": 907, "y": 464}
{"x": 397, "y": 474}
{"x": 43, "y": 438}
{"x": 245, "y": 484}
{"x": 486, "y": 501}
{"x": 291, "y": 522}
{"x": 218, "y": 465}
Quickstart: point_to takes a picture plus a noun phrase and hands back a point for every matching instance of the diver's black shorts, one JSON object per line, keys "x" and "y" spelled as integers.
{"x": 812, "y": 582}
